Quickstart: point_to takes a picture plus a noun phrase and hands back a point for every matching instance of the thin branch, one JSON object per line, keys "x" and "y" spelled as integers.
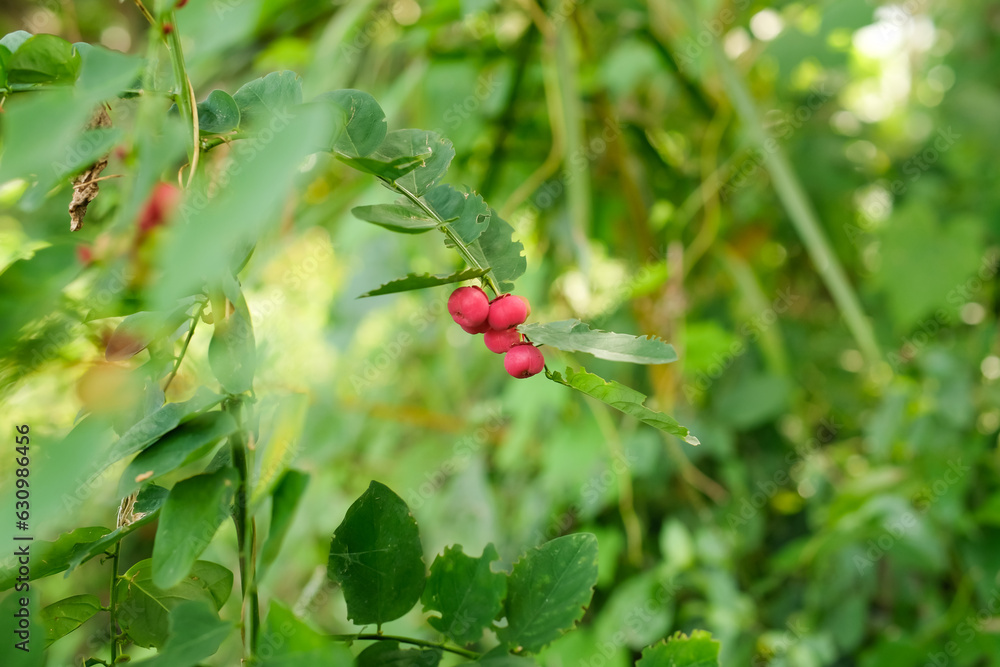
{"x": 187, "y": 342}
{"x": 472, "y": 655}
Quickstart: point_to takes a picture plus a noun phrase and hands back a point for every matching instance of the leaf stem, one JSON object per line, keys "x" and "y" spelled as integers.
{"x": 448, "y": 231}
{"x": 184, "y": 349}
{"x": 186, "y": 102}
{"x": 457, "y": 650}
{"x": 245, "y": 534}
{"x": 113, "y": 601}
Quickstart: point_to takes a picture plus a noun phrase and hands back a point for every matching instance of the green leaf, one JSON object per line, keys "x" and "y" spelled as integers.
{"x": 698, "y": 650}
{"x": 467, "y": 593}
{"x": 194, "y": 510}
{"x": 63, "y": 617}
{"x": 195, "y": 633}
{"x": 232, "y": 354}
{"x": 155, "y": 426}
{"x": 144, "y": 607}
{"x": 50, "y": 557}
{"x": 218, "y": 113}
{"x": 576, "y": 336}
{"x": 548, "y": 590}
{"x": 415, "y": 281}
{"x": 44, "y": 59}
{"x": 292, "y": 643}
{"x": 365, "y": 122}
{"x": 13, "y": 40}
{"x": 147, "y": 507}
{"x": 388, "y": 654}
{"x": 390, "y": 170}
{"x": 375, "y": 555}
{"x": 925, "y": 260}
{"x": 105, "y": 73}
{"x": 4, "y": 60}
{"x": 496, "y": 248}
{"x": 435, "y": 152}
{"x": 180, "y": 446}
{"x": 622, "y": 398}
{"x": 499, "y": 657}
{"x": 285, "y": 499}
{"x": 267, "y": 98}
{"x": 466, "y": 212}
{"x": 396, "y": 217}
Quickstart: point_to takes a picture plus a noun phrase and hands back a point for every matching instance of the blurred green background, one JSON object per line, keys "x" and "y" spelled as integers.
{"x": 663, "y": 164}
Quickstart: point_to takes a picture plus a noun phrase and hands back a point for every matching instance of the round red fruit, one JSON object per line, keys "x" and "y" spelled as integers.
{"x": 160, "y": 205}
{"x": 469, "y": 306}
{"x": 479, "y": 329}
{"x": 501, "y": 341}
{"x": 524, "y": 360}
{"x": 508, "y": 310}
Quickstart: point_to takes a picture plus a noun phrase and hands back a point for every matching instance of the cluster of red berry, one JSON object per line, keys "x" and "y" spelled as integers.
{"x": 497, "y": 320}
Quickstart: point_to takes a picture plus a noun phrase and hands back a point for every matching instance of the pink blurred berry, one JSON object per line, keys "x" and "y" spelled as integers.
{"x": 524, "y": 360}
{"x": 508, "y": 310}
{"x": 469, "y": 307}
{"x": 501, "y": 341}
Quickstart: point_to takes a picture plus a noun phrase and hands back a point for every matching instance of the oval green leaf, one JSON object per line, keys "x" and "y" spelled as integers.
{"x": 548, "y": 590}
{"x": 63, "y": 617}
{"x": 44, "y": 59}
{"x": 375, "y": 555}
{"x": 268, "y": 98}
{"x": 576, "y": 336}
{"x": 698, "y": 650}
{"x": 218, "y": 113}
{"x": 194, "y": 510}
{"x": 364, "y": 122}
{"x": 396, "y": 218}
{"x": 415, "y": 281}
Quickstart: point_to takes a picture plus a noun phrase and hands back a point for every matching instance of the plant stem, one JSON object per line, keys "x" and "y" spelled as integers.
{"x": 187, "y": 342}
{"x": 185, "y": 93}
{"x": 113, "y": 601}
{"x": 245, "y": 536}
{"x": 407, "y": 640}
{"x": 448, "y": 231}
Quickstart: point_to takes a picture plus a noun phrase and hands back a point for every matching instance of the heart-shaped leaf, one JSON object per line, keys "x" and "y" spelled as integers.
{"x": 364, "y": 122}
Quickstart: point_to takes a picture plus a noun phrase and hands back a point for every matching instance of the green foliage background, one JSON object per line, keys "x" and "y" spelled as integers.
{"x": 843, "y": 507}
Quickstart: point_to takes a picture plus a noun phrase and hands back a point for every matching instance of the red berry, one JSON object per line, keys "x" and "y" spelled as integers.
{"x": 469, "y": 306}
{"x": 524, "y": 360}
{"x": 501, "y": 341}
{"x": 84, "y": 254}
{"x": 161, "y": 203}
{"x": 508, "y": 310}
{"x": 481, "y": 328}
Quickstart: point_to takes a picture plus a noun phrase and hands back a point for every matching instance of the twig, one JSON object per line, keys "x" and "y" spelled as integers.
{"x": 405, "y": 640}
